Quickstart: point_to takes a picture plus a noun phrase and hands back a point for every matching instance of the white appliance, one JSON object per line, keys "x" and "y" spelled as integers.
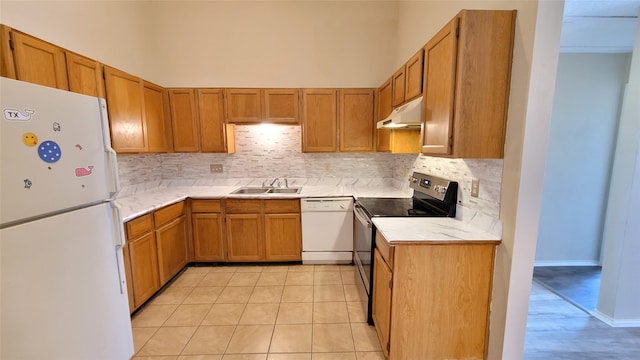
{"x": 408, "y": 116}
{"x": 62, "y": 286}
{"x": 327, "y": 230}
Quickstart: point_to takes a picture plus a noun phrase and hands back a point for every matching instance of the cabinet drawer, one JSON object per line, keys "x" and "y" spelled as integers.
{"x": 139, "y": 226}
{"x": 240, "y": 206}
{"x": 206, "y": 206}
{"x": 385, "y": 249}
{"x": 168, "y": 213}
{"x": 282, "y": 206}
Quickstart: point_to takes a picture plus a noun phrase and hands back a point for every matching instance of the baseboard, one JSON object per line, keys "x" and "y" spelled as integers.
{"x": 615, "y": 322}
{"x": 567, "y": 263}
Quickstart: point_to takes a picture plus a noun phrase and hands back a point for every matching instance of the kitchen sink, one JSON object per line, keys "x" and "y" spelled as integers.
{"x": 266, "y": 190}
{"x": 284, "y": 190}
{"x": 250, "y": 190}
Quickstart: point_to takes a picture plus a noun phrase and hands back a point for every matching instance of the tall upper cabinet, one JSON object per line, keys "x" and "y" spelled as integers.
{"x": 39, "y": 62}
{"x": 467, "y": 70}
{"x": 197, "y": 117}
{"x": 126, "y": 111}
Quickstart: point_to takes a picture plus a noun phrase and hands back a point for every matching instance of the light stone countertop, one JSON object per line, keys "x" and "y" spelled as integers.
{"x": 426, "y": 230}
{"x": 141, "y": 203}
{"x": 395, "y": 230}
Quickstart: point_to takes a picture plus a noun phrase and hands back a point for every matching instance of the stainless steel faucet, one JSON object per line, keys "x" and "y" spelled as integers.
{"x": 273, "y": 182}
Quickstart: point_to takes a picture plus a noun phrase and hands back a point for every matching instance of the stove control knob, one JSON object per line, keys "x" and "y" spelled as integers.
{"x": 440, "y": 189}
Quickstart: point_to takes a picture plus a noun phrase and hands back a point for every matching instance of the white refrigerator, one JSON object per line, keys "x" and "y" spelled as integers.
{"x": 63, "y": 293}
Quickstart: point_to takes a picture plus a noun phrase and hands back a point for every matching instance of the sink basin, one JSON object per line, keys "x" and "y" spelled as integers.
{"x": 265, "y": 190}
{"x": 250, "y": 190}
{"x": 284, "y": 190}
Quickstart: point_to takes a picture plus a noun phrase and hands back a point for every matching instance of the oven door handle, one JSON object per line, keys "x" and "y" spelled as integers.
{"x": 361, "y": 216}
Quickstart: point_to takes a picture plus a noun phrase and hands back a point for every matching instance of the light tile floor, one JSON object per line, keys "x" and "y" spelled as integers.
{"x": 298, "y": 312}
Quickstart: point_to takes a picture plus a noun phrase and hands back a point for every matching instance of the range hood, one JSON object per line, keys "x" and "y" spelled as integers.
{"x": 407, "y": 116}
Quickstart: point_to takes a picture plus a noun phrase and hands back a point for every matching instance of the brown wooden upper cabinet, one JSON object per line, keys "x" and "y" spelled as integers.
{"x": 398, "y": 84}
{"x": 467, "y": 70}
{"x": 155, "y": 114}
{"x": 280, "y": 106}
{"x": 384, "y": 107}
{"x": 7, "y": 66}
{"x": 254, "y": 106}
{"x": 356, "y": 125}
{"x": 215, "y": 134}
{"x": 413, "y": 76}
{"x": 243, "y": 106}
{"x": 39, "y": 62}
{"x": 319, "y": 120}
{"x": 85, "y": 75}
{"x": 184, "y": 120}
{"x": 198, "y": 121}
{"x": 125, "y": 105}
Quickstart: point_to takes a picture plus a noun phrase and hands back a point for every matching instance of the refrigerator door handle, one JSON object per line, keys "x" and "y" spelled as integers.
{"x": 119, "y": 242}
{"x": 111, "y": 153}
{"x": 119, "y": 227}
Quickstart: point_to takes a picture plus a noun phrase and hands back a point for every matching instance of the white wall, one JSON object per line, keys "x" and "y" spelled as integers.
{"x": 619, "y": 287}
{"x": 584, "y": 126}
{"x": 271, "y": 43}
{"x": 223, "y": 43}
{"x": 108, "y": 31}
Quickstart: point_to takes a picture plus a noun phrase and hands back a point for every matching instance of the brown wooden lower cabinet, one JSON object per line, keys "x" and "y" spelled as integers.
{"x": 431, "y": 300}
{"x": 207, "y": 230}
{"x": 263, "y": 230}
{"x": 173, "y": 250}
{"x": 141, "y": 261}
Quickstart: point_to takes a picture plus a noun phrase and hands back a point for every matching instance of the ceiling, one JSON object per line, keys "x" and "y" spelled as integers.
{"x": 607, "y": 26}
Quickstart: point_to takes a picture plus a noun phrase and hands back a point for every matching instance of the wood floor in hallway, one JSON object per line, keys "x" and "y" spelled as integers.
{"x": 558, "y": 330}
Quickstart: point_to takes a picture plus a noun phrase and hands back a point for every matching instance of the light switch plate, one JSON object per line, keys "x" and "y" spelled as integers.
{"x": 475, "y": 187}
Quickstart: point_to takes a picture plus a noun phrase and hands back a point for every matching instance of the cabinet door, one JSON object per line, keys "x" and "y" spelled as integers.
{"x": 381, "y": 311}
{"x": 85, "y": 75}
{"x": 208, "y": 244}
{"x": 243, "y": 106}
{"x": 356, "y": 120}
{"x": 413, "y": 76}
{"x": 245, "y": 237}
{"x": 155, "y": 116}
{"x": 39, "y": 62}
{"x": 319, "y": 120}
{"x": 126, "y": 113}
{"x": 145, "y": 279}
{"x": 213, "y": 129}
{"x": 127, "y": 273}
{"x": 283, "y": 237}
{"x": 173, "y": 252}
{"x": 7, "y": 65}
{"x": 184, "y": 120}
{"x": 439, "y": 84}
{"x": 280, "y": 106}
{"x": 399, "y": 83}
{"x": 385, "y": 106}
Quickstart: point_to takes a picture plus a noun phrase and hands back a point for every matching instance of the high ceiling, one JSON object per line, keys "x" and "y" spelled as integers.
{"x": 599, "y": 26}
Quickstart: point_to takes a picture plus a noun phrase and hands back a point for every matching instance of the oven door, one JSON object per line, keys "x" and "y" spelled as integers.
{"x": 363, "y": 233}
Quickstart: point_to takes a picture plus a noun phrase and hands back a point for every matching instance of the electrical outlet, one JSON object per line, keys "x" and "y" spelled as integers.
{"x": 215, "y": 168}
{"x": 179, "y": 168}
{"x": 475, "y": 187}
{"x": 327, "y": 167}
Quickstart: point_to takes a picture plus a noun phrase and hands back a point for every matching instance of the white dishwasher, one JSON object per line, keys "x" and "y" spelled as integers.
{"x": 327, "y": 230}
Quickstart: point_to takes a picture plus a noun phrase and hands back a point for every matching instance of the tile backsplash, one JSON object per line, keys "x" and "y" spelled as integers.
{"x": 275, "y": 151}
